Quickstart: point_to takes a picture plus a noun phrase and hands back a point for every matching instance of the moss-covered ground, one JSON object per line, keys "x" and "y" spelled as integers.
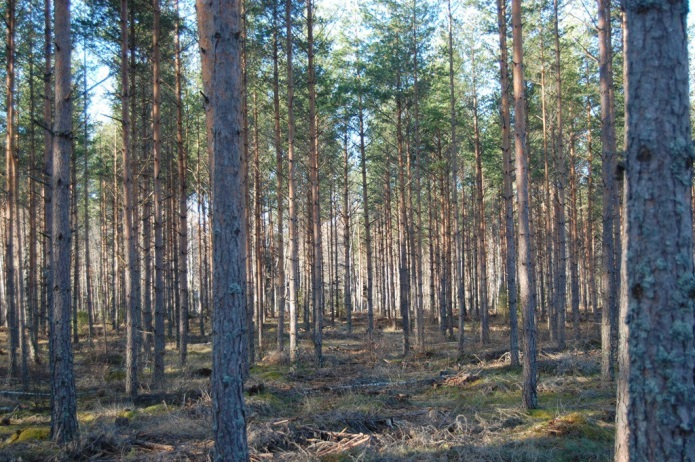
{"x": 365, "y": 403}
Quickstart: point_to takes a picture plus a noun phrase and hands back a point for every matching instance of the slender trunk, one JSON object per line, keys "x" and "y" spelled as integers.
{"x": 574, "y": 240}
{"x": 482, "y": 244}
{"x": 64, "y": 426}
{"x": 510, "y": 262}
{"x": 527, "y": 290}
{"x": 367, "y": 225}
{"x": 292, "y": 185}
{"x": 11, "y": 293}
{"x": 259, "y": 286}
{"x": 609, "y": 283}
{"x": 129, "y": 237}
{"x": 280, "y": 289}
{"x": 453, "y": 156}
{"x": 48, "y": 167}
{"x": 219, "y": 28}
{"x": 87, "y": 258}
{"x": 561, "y": 302}
{"x": 317, "y": 270}
{"x": 159, "y": 340}
{"x": 403, "y": 269}
{"x": 347, "y": 290}
{"x": 183, "y": 198}
{"x": 33, "y": 305}
{"x": 417, "y": 251}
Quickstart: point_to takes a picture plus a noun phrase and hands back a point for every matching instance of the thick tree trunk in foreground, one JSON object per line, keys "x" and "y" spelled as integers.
{"x": 527, "y": 289}
{"x": 64, "y": 427}
{"x": 219, "y": 29}
{"x": 656, "y": 393}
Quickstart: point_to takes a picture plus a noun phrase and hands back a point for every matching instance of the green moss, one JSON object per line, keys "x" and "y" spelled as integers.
{"x": 541, "y": 414}
{"x": 156, "y": 409}
{"x": 129, "y": 413}
{"x": 30, "y": 434}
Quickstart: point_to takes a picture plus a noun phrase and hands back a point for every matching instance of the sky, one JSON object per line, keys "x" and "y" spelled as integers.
{"x": 100, "y": 103}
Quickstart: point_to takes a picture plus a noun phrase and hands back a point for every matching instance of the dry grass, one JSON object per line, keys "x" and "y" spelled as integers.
{"x": 366, "y": 403}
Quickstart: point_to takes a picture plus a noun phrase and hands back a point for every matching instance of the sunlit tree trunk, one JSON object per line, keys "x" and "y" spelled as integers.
{"x": 527, "y": 290}
{"x": 129, "y": 237}
{"x": 219, "y": 29}
{"x": 292, "y": 185}
{"x": 317, "y": 270}
{"x": 510, "y": 262}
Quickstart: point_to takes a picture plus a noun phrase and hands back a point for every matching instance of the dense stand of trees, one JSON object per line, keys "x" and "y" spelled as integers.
{"x": 396, "y": 161}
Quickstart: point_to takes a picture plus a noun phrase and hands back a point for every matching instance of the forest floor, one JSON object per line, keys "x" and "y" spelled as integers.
{"x": 367, "y": 403}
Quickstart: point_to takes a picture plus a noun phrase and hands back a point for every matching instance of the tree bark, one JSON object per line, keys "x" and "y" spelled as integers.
{"x": 527, "y": 290}
{"x": 280, "y": 288}
{"x": 219, "y": 29}
{"x": 159, "y": 308}
{"x": 292, "y": 185}
{"x": 609, "y": 286}
{"x": 129, "y": 236}
{"x": 64, "y": 426}
{"x": 317, "y": 270}
{"x": 656, "y": 393}
{"x": 183, "y": 200}
{"x": 510, "y": 257}
{"x": 367, "y": 223}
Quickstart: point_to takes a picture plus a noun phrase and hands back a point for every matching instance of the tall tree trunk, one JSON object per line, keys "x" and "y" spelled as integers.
{"x": 417, "y": 251}
{"x": 33, "y": 305}
{"x": 367, "y": 223}
{"x": 280, "y": 289}
{"x": 258, "y": 254}
{"x": 656, "y": 393}
{"x": 64, "y": 426}
{"x": 561, "y": 302}
{"x": 482, "y": 244}
{"x": 347, "y": 289}
{"x": 159, "y": 308}
{"x": 527, "y": 289}
{"x": 317, "y": 270}
{"x": 87, "y": 259}
{"x": 11, "y": 294}
{"x": 609, "y": 282}
{"x": 219, "y": 28}
{"x": 129, "y": 236}
{"x": 574, "y": 239}
{"x": 292, "y": 185}
{"x": 403, "y": 269}
{"x": 510, "y": 257}
{"x": 183, "y": 200}
{"x": 453, "y": 156}
{"x": 48, "y": 167}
